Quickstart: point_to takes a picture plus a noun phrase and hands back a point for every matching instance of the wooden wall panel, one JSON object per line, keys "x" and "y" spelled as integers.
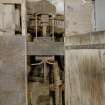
{"x": 12, "y": 71}
{"x": 77, "y": 17}
{"x": 85, "y": 77}
{"x": 7, "y": 19}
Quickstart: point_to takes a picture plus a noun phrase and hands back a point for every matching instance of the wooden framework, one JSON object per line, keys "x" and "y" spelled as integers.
{"x": 84, "y": 64}
{"x": 24, "y": 31}
{"x": 38, "y": 47}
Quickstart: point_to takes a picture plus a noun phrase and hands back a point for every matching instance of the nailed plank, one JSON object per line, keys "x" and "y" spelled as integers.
{"x": 84, "y": 64}
{"x": 7, "y": 26}
{"x": 92, "y": 46}
{"x": 94, "y": 38}
{"x": 12, "y": 71}
{"x": 11, "y": 1}
{"x": 45, "y": 49}
{"x": 85, "y": 77}
{"x": 39, "y": 48}
{"x": 77, "y": 17}
{"x": 23, "y": 18}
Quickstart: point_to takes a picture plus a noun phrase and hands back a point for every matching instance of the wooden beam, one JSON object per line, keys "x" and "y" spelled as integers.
{"x": 90, "y": 46}
{"x": 57, "y": 83}
{"x": 84, "y": 68}
{"x": 46, "y": 48}
{"x": 11, "y": 1}
{"x": 11, "y": 70}
{"x": 94, "y": 38}
{"x": 23, "y": 18}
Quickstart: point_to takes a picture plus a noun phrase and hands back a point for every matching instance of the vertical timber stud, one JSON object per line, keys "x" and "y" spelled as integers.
{"x": 57, "y": 83}
{"x": 23, "y": 17}
{"x": 24, "y": 33}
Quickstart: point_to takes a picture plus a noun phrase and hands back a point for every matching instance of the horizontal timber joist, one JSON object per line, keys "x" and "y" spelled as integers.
{"x": 11, "y": 1}
{"x": 89, "y": 40}
{"x": 40, "y": 47}
{"x": 90, "y": 46}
